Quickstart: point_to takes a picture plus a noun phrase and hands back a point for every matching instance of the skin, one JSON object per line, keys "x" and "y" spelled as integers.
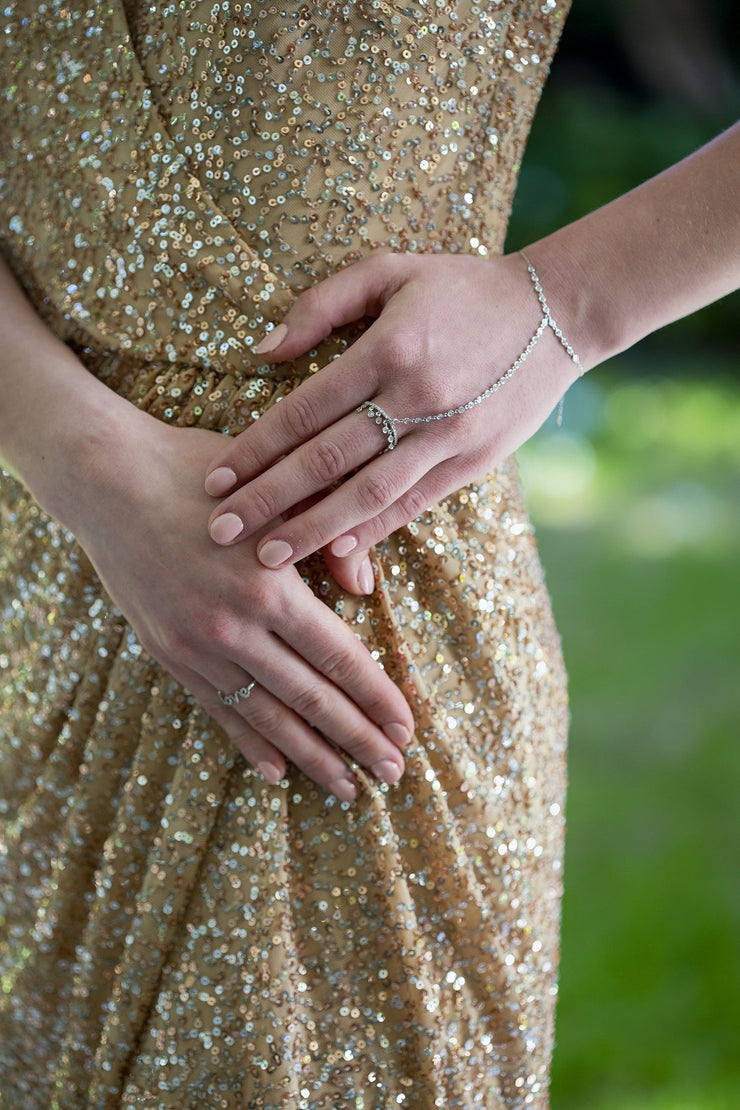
{"x": 130, "y": 488}
{"x": 446, "y": 327}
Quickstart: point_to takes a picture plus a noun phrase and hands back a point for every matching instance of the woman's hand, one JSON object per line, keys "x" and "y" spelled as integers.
{"x": 130, "y": 489}
{"x": 219, "y": 624}
{"x": 447, "y": 327}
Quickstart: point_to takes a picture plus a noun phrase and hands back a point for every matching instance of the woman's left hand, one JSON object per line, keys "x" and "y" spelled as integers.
{"x": 447, "y": 327}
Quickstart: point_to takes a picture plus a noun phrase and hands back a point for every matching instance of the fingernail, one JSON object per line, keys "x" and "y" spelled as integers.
{"x": 274, "y": 553}
{"x": 270, "y": 773}
{"x": 343, "y": 545}
{"x": 226, "y": 528}
{"x": 387, "y": 771}
{"x": 365, "y": 576}
{"x": 399, "y": 734}
{"x": 272, "y": 340}
{"x": 220, "y": 481}
{"x": 344, "y": 789}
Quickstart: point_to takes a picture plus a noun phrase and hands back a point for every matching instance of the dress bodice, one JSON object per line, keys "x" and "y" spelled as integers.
{"x": 173, "y": 173}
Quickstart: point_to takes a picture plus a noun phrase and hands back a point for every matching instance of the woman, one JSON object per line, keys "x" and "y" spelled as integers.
{"x": 346, "y": 925}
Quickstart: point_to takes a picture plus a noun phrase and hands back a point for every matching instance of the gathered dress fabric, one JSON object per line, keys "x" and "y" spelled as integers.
{"x": 174, "y": 932}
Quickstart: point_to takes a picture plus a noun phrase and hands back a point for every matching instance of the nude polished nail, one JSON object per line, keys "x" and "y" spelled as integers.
{"x": 226, "y": 528}
{"x": 220, "y": 481}
{"x": 344, "y": 789}
{"x": 274, "y": 553}
{"x": 270, "y": 773}
{"x": 272, "y": 340}
{"x": 366, "y": 577}
{"x": 387, "y": 771}
{"x": 343, "y": 545}
{"x": 398, "y": 733}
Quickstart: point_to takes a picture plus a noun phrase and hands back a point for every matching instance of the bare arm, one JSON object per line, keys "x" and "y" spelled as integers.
{"x": 55, "y": 417}
{"x": 654, "y": 255}
{"x": 447, "y": 327}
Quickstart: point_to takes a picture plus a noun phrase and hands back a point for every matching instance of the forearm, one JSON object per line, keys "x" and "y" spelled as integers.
{"x": 654, "y": 255}
{"x": 55, "y": 417}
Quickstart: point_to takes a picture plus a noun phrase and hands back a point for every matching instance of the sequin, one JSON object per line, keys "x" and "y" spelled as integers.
{"x": 176, "y": 932}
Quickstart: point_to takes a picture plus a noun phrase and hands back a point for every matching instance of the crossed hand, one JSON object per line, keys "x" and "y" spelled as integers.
{"x": 405, "y": 417}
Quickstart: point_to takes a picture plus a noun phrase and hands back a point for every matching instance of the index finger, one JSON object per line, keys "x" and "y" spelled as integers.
{"x": 314, "y": 405}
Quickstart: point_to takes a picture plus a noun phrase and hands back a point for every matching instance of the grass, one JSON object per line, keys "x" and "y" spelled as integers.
{"x": 637, "y": 506}
{"x": 636, "y": 501}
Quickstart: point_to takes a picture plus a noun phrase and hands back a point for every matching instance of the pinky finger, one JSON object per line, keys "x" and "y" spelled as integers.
{"x": 257, "y": 751}
{"x": 263, "y": 756}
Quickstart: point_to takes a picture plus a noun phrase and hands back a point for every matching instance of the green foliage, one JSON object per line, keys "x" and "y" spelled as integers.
{"x": 589, "y": 145}
{"x": 636, "y": 501}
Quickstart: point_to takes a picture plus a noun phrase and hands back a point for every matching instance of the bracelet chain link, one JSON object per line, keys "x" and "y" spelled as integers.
{"x": 388, "y": 423}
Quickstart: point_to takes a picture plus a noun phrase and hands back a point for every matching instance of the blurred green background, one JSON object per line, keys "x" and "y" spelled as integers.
{"x": 636, "y": 500}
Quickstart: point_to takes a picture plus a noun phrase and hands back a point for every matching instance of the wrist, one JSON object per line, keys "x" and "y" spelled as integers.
{"x": 96, "y": 450}
{"x": 578, "y": 300}
{"x": 67, "y": 436}
{"x": 652, "y": 256}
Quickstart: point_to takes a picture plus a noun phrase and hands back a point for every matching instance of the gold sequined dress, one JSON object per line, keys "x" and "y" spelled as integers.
{"x": 174, "y": 932}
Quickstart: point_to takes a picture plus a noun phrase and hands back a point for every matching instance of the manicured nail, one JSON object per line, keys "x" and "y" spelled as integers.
{"x": 272, "y": 340}
{"x": 387, "y": 771}
{"x": 399, "y": 734}
{"x": 226, "y": 528}
{"x": 220, "y": 481}
{"x": 344, "y": 789}
{"x": 274, "y": 553}
{"x": 270, "y": 773}
{"x": 365, "y": 576}
{"x": 343, "y": 545}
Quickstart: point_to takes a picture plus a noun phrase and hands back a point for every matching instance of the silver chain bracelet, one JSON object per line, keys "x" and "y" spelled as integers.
{"x": 387, "y": 424}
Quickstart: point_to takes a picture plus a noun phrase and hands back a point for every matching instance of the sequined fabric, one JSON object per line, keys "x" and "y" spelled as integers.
{"x": 175, "y": 933}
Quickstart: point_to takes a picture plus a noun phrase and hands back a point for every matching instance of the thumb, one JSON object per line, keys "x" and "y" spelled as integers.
{"x": 360, "y": 290}
{"x": 353, "y": 572}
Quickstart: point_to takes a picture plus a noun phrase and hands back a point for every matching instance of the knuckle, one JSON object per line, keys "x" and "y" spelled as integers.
{"x": 375, "y": 492}
{"x": 326, "y": 463}
{"x": 432, "y": 392}
{"x": 362, "y": 748}
{"x": 214, "y": 627}
{"x": 266, "y": 717}
{"x": 265, "y": 502}
{"x": 245, "y": 456}
{"x": 378, "y": 260}
{"x": 399, "y": 348}
{"x": 311, "y": 703}
{"x": 243, "y": 734}
{"x": 314, "y": 763}
{"x": 313, "y": 304}
{"x": 412, "y": 503}
{"x": 314, "y": 536}
{"x": 479, "y": 460}
{"x": 339, "y": 666}
{"x": 388, "y": 268}
{"x": 244, "y": 739}
{"x": 299, "y": 417}
{"x": 311, "y": 301}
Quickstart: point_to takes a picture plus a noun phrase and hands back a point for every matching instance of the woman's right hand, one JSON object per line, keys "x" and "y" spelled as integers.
{"x": 217, "y": 620}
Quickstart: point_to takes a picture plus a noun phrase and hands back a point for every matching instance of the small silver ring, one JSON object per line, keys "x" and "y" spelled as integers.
{"x": 239, "y": 695}
{"x": 385, "y": 422}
